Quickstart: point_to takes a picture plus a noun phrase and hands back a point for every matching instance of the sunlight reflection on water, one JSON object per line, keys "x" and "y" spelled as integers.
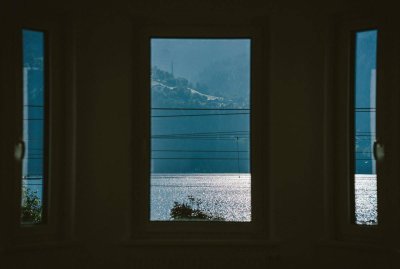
{"x": 227, "y": 195}
{"x": 366, "y": 199}
{"x": 230, "y": 196}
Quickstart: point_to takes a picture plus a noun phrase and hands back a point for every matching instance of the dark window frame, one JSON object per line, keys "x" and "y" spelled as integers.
{"x": 339, "y": 133}
{"x": 46, "y": 126}
{"x": 258, "y": 228}
{"x": 59, "y": 135}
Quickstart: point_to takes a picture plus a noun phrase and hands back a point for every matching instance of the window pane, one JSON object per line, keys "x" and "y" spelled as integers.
{"x": 365, "y": 178}
{"x": 200, "y": 130}
{"x": 33, "y": 127}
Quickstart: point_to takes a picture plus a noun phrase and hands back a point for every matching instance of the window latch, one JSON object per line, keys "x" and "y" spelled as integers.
{"x": 19, "y": 150}
{"x": 379, "y": 151}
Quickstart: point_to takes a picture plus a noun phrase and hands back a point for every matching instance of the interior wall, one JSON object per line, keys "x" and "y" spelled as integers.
{"x": 105, "y": 89}
{"x": 297, "y": 88}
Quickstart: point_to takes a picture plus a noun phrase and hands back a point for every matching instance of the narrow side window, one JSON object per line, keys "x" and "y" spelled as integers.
{"x": 364, "y": 129}
{"x": 33, "y": 182}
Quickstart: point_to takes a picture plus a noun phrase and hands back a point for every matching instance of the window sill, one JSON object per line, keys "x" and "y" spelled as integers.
{"x": 201, "y": 242}
{"x": 43, "y": 245}
{"x": 357, "y": 245}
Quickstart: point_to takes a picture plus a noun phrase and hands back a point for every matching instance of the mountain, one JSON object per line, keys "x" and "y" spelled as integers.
{"x": 228, "y": 77}
{"x": 189, "y": 57}
{"x": 182, "y": 97}
{"x": 194, "y": 132}
{"x": 168, "y": 91}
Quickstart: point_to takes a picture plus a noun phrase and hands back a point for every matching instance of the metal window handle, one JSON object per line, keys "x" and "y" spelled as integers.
{"x": 379, "y": 151}
{"x": 19, "y": 150}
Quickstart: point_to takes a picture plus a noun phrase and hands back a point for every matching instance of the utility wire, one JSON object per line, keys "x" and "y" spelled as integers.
{"x": 194, "y": 158}
{"x": 171, "y": 150}
{"x": 187, "y": 108}
{"x": 199, "y": 115}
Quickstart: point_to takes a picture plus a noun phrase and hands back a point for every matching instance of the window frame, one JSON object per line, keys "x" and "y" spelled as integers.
{"x": 59, "y": 134}
{"x": 340, "y": 134}
{"x": 352, "y": 120}
{"x": 46, "y": 125}
{"x": 141, "y": 226}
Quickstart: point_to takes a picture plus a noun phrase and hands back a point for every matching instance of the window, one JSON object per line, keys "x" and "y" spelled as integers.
{"x": 359, "y": 174}
{"x": 33, "y": 195}
{"x": 365, "y": 145}
{"x": 41, "y": 134}
{"x": 206, "y": 94}
{"x": 200, "y": 130}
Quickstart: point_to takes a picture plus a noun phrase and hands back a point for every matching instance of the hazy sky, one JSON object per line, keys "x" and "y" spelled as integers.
{"x": 191, "y": 56}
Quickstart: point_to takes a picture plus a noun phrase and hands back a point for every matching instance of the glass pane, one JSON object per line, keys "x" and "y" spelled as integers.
{"x": 365, "y": 178}
{"x": 33, "y": 126}
{"x": 200, "y": 130}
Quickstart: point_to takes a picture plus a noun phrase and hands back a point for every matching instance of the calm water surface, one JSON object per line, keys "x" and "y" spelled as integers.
{"x": 225, "y": 195}
{"x": 366, "y": 199}
{"x": 229, "y": 196}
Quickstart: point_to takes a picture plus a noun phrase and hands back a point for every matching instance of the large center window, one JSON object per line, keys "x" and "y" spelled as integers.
{"x": 200, "y": 130}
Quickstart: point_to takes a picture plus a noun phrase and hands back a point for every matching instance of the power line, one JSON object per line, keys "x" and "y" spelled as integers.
{"x": 171, "y": 150}
{"x": 172, "y": 158}
{"x": 199, "y": 115}
{"x": 195, "y": 186}
{"x": 187, "y": 108}
{"x": 207, "y": 133}
{"x": 201, "y": 138}
{"x": 205, "y": 136}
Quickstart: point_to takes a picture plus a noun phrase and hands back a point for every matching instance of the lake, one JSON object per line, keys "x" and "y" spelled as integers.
{"x": 224, "y": 195}
{"x": 366, "y": 199}
{"x": 229, "y": 195}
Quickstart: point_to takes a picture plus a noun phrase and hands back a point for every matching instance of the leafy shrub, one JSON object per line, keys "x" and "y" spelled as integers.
{"x": 31, "y": 209}
{"x": 192, "y": 210}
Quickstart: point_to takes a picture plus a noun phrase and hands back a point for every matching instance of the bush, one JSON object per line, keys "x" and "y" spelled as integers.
{"x": 31, "y": 209}
{"x": 192, "y": 211}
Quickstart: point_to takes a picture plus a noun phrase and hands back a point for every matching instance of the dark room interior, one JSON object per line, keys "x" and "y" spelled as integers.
{"x": 320, "y": 112}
